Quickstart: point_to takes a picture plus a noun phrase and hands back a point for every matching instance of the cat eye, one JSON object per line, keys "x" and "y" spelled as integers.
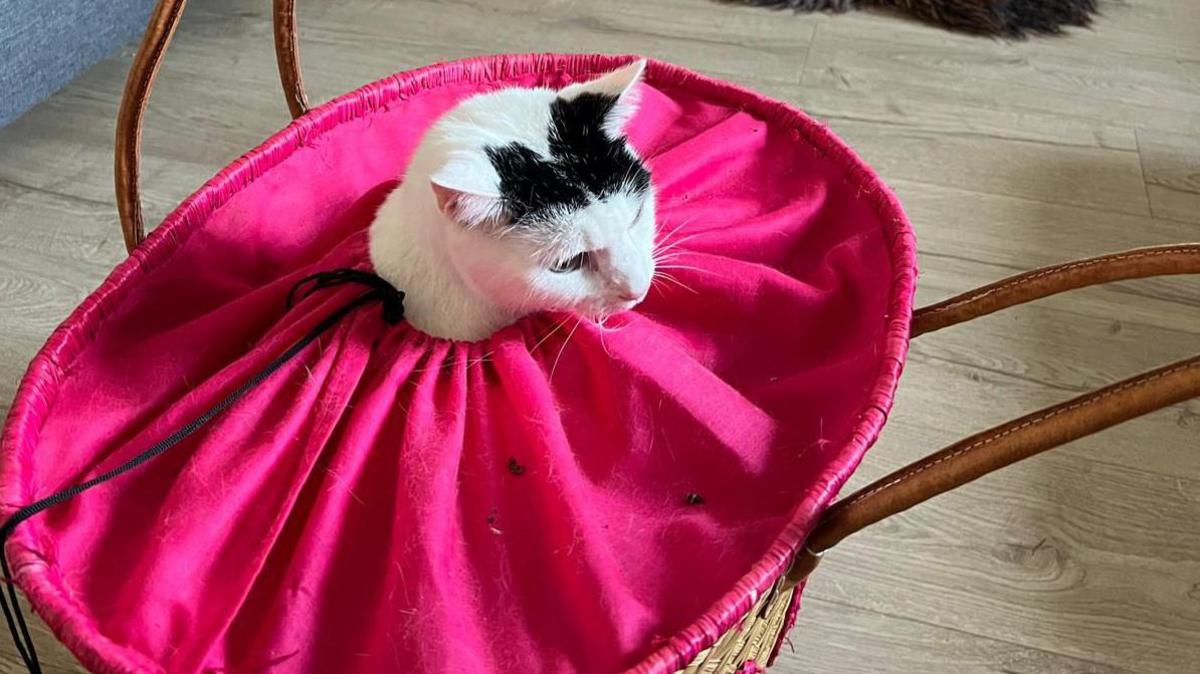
{"x": 573, "y": 263}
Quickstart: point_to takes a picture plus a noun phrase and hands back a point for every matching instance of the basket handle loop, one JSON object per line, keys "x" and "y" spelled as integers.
{"x": 287, "y": 55}
{"x": 127, "y": 156}
{"x": 140, "y": 81}
{"x": 1032, "y": 434}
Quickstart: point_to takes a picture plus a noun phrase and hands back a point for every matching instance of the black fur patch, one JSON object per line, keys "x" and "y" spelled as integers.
{"x": 584, "y": 163}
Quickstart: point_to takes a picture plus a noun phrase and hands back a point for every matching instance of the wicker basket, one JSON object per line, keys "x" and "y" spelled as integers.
{"x": 753, "y": 638}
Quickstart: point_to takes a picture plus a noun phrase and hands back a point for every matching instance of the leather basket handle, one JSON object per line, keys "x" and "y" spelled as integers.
{"x": 140, "y": 81}
{"x": 1032, "y": 434}
{"x": 287, "y": 55}
{"x": 1033, "y": 285}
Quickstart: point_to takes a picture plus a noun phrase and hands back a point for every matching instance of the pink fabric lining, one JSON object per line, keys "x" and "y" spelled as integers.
{"x": 377, "y": 520}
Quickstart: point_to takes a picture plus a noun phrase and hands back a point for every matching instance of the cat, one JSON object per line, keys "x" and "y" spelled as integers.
{"x": 1004, "y": 18}
{"x": 522, "y": 200}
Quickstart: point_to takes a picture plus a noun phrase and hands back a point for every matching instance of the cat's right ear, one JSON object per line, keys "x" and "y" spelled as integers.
{"x": 620, "y": 84}
{"x": 463, "y": 202}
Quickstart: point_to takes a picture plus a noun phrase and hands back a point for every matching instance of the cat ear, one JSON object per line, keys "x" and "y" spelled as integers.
{"x": 462, "y": 197}
{"x": 620, "y": 84}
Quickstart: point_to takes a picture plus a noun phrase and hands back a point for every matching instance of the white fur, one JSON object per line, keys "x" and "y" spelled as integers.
{"x": 440, "y": 236}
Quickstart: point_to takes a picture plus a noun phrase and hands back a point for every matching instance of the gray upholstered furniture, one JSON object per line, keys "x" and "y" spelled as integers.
{"x": 46, "y": 43}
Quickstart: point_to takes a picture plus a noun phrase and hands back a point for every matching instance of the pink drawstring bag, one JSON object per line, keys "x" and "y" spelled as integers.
{"x": 556, "y": 498}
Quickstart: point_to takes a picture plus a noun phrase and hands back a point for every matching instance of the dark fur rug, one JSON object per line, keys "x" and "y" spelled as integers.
{"x": 1001, "y": 18}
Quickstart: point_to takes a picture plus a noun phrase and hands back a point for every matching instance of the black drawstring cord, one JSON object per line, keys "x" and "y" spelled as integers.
{"x": 387, "y": 294}
{"x": 381, "y": 291}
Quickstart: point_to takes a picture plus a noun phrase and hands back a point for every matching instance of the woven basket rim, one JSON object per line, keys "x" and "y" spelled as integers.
{"x": 39, "y": 386}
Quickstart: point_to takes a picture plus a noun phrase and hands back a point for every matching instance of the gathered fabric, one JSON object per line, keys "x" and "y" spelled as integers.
{"x": 560, "y": 497}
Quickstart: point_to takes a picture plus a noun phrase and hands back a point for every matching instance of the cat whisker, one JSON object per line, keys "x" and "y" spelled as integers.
{"x": 600, "y": 323}
{"x": 680, "y": 284}
{"x": 550, "y": 334}
{"x": 674, "y": 246}
{"x": 668, "y": 277}
{"x": 657, "y": 252}
{"x": 666, "y": 245}
{"x": 669, "y": 260}
{"x": 685, "y": 267}
{"x": 554, "y": 367}
{"x": 628, "y": 169}
{"x": 480, "y": 360}
{"x": 669, "y": 257}
{"x": 676, "y": 228}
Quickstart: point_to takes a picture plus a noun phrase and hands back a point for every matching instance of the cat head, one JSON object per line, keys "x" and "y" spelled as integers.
{"x": 546, "y": 205}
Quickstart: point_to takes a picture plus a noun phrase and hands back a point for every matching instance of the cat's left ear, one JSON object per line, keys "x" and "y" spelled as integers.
{"x": 463, "y": 195}
{"x": 620, "y": 84}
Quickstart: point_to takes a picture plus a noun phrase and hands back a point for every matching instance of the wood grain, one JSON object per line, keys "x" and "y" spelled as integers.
{"x": 1053, "y": 563}
{"x": 1007, "y": 156}
{"x": 1171, "y": 162}
{"x": 834, "y": 637}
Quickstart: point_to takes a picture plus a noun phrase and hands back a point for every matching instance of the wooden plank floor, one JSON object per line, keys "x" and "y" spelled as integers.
{"x": 1006, "y": 155}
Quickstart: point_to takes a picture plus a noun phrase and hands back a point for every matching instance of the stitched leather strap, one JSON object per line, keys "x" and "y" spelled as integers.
{"x": 1008, "y": 443}
{"x": 287, "y": 55}
{"x": 1039, "y": 283}
{"x": 159, "y": 32}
